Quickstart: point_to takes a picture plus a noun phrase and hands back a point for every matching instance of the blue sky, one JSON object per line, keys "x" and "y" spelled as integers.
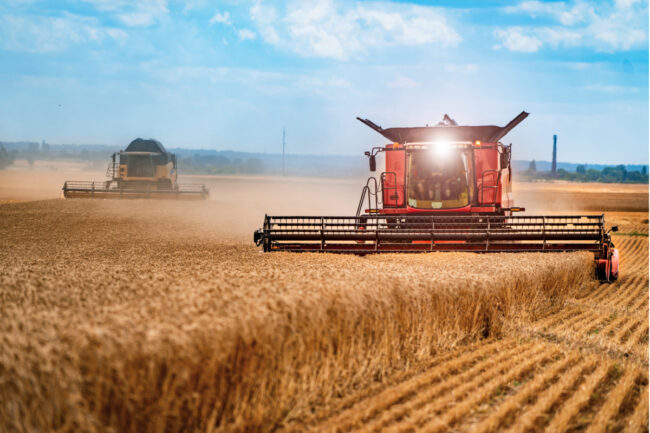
{"x": 231, "y": 74}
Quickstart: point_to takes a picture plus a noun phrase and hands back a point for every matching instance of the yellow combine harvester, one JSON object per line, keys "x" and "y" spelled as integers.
{"x": 144, "y": 170}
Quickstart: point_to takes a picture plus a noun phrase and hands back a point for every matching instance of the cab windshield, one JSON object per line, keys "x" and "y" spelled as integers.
{"x": 140, "y": 166}
{"x": 438, "y": 180}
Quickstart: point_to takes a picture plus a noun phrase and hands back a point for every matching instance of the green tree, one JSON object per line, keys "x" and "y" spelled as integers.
{"x": 592, "y": 175}
{"x": 5, "y": 158}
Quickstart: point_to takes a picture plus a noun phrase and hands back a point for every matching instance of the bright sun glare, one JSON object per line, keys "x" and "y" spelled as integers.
{"x": 441, "y": 150}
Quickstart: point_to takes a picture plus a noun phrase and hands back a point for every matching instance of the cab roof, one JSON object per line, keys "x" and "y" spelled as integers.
{"x": 447, "y": 130}
{"x": 145, "y": 145}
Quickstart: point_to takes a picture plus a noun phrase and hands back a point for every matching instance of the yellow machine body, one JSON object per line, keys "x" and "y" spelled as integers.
{"x": 144, "y": 170}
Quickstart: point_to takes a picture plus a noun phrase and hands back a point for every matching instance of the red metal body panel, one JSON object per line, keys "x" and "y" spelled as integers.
{"x": 394, "y": 177}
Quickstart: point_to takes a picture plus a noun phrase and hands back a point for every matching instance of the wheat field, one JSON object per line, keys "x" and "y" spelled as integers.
{"x": 140, "y": 316}
{"x": 582, "y": 367}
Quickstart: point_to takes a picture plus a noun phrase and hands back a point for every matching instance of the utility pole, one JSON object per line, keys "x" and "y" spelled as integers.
{"x": 283, "y": 145}
{"x": 554, "y": 163}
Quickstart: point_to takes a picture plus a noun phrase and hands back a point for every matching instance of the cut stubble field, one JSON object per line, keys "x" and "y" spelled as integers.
{"x": 162, "y": 316}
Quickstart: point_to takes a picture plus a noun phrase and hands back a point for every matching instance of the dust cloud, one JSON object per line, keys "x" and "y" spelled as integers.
{"x": 237, "y": 204}
{"x": 235, "y": 208}
{"x": 572, "y": 198}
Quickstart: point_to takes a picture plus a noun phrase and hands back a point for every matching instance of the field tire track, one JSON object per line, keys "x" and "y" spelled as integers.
{"x": 391, "y": 399}
{"x": 610, "y": 408}
{"x": 551, "y": 397}
{"x": 528, "y": 391}
{"x": 638, "y": 421}
{"x": 581, "y": 397}
{"x": 422, "y": 418}
{"x": 450, "y": 388}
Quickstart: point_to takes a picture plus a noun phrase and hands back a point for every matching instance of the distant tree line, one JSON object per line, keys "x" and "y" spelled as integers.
{"x": 98, "y": 157}
{"x": 6, "y": 158}
{"x": 195, "y": 161}
{"x": 219, "y": 164}
{"x": 617, "y": 174}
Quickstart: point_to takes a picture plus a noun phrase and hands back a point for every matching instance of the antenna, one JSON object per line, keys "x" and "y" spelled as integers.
{"x": 283, "y": 145}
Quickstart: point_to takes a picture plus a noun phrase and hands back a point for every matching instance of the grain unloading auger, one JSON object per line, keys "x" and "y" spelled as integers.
{"x": 144, "y": 170}
{"x": 444, "y": 188}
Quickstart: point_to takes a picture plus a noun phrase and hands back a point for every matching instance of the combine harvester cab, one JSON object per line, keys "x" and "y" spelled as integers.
{"x": 444, "y": 188}
{"x": 144, "y": 170}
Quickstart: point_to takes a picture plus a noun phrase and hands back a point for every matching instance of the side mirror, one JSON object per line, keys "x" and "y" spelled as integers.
{"x": 373, "y": 162}
{"x": 614, "y": 228}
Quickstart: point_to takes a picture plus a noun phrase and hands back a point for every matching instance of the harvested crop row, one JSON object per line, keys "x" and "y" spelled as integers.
{"x": 414, "y": 412}
{"x": 104, "y": 325}
{"x": 610, "y": 318}
{"x": 602, "y": 387}
{"x": 395, "y": 401}
{"x": 506, "y": 412}
{"x": 515, "y": 372}
{"x": 369, "y": 401}
{"x": 534, "y": 388}
{"x": 551, "y": 398}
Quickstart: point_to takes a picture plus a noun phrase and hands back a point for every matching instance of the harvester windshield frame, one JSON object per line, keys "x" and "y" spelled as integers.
{"x": 438, "y": 176}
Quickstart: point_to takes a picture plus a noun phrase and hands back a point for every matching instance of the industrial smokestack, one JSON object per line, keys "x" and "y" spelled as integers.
{"x": 554, "y": 163}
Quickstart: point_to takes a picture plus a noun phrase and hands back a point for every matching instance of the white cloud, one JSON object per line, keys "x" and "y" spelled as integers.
{"x": 605, "y": 88}
{"x": 38, "y": 34}
{"x": 326, "y": 28}
{"x": 266, "y": 82}
{"x": 118, "y": 35}
{"x": 579, "y": 66}
{"x": 567, "y": 15}
{"x": 559, "y": 36}
{"x": 626, "y": 3}
{"x": 338, "y": 82}
{"x": 246, "y": 34}
{"x": 265, "y": 18}
{"x": 221, "y": 18}
{"x": 191, "y": 5}
{"x": 530, "y": 40}
{"x": 143, "y": 13}
{"x": 137, "y": 19}
{"x": 607, "y": 27}
{"x": 516, "y": 39}
{"x": 461, "y": 68}
{"x": 402, "y": 82}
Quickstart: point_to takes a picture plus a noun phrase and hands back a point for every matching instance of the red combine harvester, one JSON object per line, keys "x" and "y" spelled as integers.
{"x": 444, "y": 188}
